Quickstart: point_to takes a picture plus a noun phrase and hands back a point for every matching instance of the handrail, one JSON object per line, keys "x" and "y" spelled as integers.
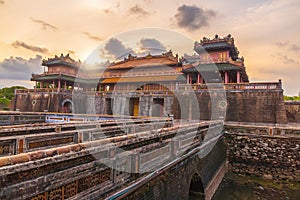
{"x": 132, "y": 188}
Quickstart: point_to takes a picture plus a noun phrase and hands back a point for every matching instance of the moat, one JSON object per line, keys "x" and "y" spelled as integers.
{"x": 239, "y": 187}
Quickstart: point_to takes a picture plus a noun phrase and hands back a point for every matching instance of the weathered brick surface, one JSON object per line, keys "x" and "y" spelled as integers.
{"x": 293, "y": 111}
{"x": 264, "y": 106}
{"x": 270, "y": 157}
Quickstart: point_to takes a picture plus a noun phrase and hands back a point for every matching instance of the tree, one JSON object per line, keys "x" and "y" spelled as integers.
{"x": 8, "y": 92}
{"x": 6, "y": 95}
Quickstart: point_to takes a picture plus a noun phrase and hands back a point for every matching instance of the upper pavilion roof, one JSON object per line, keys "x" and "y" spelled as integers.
{"x": 217, "y": 44}
{"x": 61, "y": 60}
{"x": 146, "y": 61}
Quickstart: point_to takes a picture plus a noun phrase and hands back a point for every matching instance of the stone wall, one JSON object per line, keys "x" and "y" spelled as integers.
{"x": 38, "y": 102}
{"x": 293, "y": 111}
{"x": 263, "y": 106}
{"x": 271, "y": 157}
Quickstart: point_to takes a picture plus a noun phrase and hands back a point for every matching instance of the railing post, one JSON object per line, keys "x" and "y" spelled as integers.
{"x": 135, "y": 163}
{"x": 174, "y": 148}
{"x": 12, "y": 119}
{"x": 114, "y": 171}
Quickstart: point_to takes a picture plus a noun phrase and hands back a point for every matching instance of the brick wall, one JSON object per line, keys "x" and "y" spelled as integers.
{"x": 271, "y": 157}
{"x": 293, "y": 111}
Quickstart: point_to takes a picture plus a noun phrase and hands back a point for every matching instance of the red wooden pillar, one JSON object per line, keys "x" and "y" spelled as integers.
{"x": 238, "y": 77}
{"x": 226, "y": 77}
{"x": 58, "y": 85}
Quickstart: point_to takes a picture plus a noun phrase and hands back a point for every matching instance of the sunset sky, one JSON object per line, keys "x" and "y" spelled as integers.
{"x": 266, "y": 32}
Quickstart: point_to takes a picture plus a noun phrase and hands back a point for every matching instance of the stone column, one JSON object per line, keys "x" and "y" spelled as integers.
{"x": 187, "y": 79}
{"x": 199, "y": 78}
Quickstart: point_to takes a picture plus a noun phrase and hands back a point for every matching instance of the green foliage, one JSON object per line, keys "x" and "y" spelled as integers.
{"x": 8, "y": 92}
{"x": 294, "y": 98}
{"x": 4, "y": 102}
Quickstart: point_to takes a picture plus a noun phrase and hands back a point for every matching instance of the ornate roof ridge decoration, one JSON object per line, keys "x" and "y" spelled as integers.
{"x": 169, "y": 55}
{"x": 61, "y": 60}
{"x": 227, "y": 42}
{"x": 229, "y": 39}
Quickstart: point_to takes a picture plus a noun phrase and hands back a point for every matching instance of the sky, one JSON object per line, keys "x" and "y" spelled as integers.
{"x": 266, "y": 32}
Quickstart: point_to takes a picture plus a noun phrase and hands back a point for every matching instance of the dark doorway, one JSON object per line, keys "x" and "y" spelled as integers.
{"x": 67, "y": 106}
{"x": 134, "y": 106}
{"x": 196, "y": 188}
{"x": 109, "y": 106}
{"x": 158, "y": 107}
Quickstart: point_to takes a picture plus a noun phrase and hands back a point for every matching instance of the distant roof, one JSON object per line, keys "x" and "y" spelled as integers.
{"x": 61, "y": 60}
{"x": 146, "y": 61}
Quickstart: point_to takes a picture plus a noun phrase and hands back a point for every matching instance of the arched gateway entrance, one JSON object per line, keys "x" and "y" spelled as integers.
{"x": 67, "y": 106}
{"x": 196, "y": 188}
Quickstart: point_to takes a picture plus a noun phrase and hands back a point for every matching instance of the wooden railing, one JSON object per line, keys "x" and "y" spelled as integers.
{"x": 210, "y": 86}
{"x": 46, "y": 90}
{"x": 232, "y": 86}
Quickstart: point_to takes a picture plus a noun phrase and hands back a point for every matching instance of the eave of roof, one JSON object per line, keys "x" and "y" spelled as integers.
{"x": 212, "y": 67}
{"x": 141, "y": 79}
{"x": 65, "y": 78}
{"x": 144, "y": 62}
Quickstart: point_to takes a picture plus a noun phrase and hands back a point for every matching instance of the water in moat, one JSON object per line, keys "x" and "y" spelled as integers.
{"x": 236, "y": 187}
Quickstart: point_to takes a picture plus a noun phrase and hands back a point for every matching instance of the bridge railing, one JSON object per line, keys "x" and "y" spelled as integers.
{"x": 162, "y": 159}
{"x": 15, "y": 118}
{"x": 262, "y": 129}
{"x": 80, "y": 168}
{"x": 20, "y": 139}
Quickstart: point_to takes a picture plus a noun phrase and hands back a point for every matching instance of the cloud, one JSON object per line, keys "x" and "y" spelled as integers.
{"x": 45, "y": 25}
{"x": 117, "y": 49}
{"x": 152, "y": 45}
{"x": 295, "y": 47}
{"x": 193, "y": 17}
{"x": 288, "y": 60}
{"x": 93, "y": 37}
{"x": 287, "y": 44}
{"x": 18, "y": 44}
{"x": 18, "y": 68}
{"x": 137, "y": 10}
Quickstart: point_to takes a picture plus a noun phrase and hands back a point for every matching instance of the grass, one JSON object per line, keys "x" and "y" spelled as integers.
{"x": 294, "y": 98}
{"x": 279, "y": 185}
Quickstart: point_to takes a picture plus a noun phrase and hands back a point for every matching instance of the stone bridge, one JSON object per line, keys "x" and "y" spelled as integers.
{"x": 141, "y": 157}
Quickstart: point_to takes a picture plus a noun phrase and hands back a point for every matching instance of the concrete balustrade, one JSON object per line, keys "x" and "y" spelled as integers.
{"x": 76, "y": 170}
